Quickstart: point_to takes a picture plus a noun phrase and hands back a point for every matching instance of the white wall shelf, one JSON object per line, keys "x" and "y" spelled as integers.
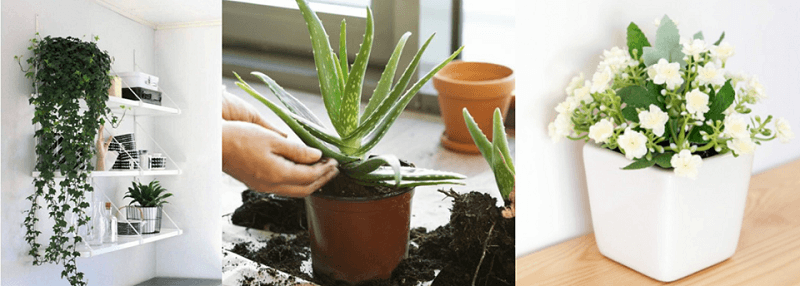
{"x": 119, "y": 105}
{"x": 128, "y": 241}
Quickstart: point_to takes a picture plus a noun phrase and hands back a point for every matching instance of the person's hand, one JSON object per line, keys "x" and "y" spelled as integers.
{"x": 267, "y": 162}
{"x": 236, "y": 109}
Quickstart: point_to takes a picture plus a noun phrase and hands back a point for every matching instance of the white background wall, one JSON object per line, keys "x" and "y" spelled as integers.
{"x": 559, "y": 39}
{"x": 119, "y": 36}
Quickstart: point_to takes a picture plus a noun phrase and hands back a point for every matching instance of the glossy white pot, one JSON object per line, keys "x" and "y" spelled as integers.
{"x": 663, "y": 225}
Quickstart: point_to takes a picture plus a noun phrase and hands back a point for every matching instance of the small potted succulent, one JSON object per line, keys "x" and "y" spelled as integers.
{"x": 359, "y": 222}
{"x": 146, "y": 204}
{"x": 672, "y": 150}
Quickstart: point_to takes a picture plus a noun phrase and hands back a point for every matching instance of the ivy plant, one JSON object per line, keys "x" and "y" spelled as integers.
{"x": 65, "y": 72}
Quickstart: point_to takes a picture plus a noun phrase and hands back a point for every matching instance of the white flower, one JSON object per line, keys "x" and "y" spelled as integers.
{"x": 601, "y": 80}
{"x": 560, "y": 128}
{"x": 583, "y": 94}
{"x": 783, "y": 130}
{"x": 686, "y": 164}
{"x": 616, "y": 60}
{"x": 601, "y": 131}
{"x": 755, "y": 88}
{"x": 633, "y": 143}
{"x": 666, "y": 72}
{"x": 576, "y": 82}
{"x": 697, "y": 103}
{"x": 655, "y": 119}
{"x": 742, "y": 145}
{"x": 710, "y": 74}
{"x": 693, "y": 48}
{"x": 722, "y": 52}
{"x": 736, "y": 126}
{"x": 568, "y": 106}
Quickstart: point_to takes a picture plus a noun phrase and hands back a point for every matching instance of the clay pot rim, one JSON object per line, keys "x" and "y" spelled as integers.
{"x": 505, "y": 79}
{"x": 363, "y": 199}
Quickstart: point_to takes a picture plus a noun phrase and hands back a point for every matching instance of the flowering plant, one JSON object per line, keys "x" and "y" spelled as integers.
{"x": 671, "y": 104}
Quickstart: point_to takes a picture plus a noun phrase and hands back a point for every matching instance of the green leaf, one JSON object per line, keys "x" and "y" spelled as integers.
{"x": 410, "y": 184}
{"x": 386, "y": 105}
{"x": 637, "y": 97}
{"x": 384, "y": 173}
{"x": 720, "y": 102}
{"x": 348, "y": 116}
{"x": 363, "y": 168}
{"x": 503, "y": 175}
{"x": 663, "y": 159}
{"x": 640, "y": 164}
{"x": 698, "y": 36}
{"x": 636, "y": 40}
{"x": 292, "y": 103}
{"x": 499, "y": 140}
{"x": 385, "y": 83}
{"x": 383, "y": 126}
{"x": 301, "y": 132}
{"x": 721, "y": 37}
{"x": 667, "y": 45}
{"x": 343, "y": 49}
{"x": 330, "y": 86}
{"x": 483, "y": 143}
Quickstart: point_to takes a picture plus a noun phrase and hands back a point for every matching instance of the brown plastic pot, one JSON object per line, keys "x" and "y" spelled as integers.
{"x": 354, "y": 239}
{"x": 480, "y": 87}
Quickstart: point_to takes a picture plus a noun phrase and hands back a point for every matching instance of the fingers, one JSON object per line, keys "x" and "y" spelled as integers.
{"x": 299, "y": 191}
{"x": 296, "y": 152}
{"x": 258, "y": 120}
{"x": 235, "y": 108}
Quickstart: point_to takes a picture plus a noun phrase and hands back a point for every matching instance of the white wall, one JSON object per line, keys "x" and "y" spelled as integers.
{"x": 189, "y": 64}
{"x": 119, "y": 36}
{"x": 558, "y": 39}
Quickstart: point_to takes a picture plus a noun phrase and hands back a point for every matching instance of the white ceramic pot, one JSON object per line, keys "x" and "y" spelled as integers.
{"x": 662, "y": 225}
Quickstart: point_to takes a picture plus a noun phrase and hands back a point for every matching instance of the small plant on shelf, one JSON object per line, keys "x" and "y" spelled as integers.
{"x": 65, "y": 72}
{"x": 671, "y": 104}
{"x": 356, "y": 132}
{"x": 146, "y": 201}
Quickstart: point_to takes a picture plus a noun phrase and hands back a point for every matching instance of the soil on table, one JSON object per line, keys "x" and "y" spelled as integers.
{"x": 270, "y": 212}
{"x": 476, "y": 240}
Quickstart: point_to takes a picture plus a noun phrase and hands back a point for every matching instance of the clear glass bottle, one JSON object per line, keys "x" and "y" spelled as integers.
{"x": 97, "y": 224}
{"x": 111, "y": 229}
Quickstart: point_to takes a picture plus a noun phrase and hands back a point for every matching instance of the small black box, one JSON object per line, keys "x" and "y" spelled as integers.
{"x": 147, "y": 96}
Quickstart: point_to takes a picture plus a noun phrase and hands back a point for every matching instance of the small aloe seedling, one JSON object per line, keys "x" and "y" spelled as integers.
{"x": 356, "y": 132}
{"x": 496, "y": 154}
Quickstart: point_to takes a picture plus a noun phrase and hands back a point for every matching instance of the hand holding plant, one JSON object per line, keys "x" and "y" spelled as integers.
{"x": 671, "y": 104}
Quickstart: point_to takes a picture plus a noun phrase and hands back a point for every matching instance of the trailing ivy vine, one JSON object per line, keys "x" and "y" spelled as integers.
{"x": 65, "y": 72}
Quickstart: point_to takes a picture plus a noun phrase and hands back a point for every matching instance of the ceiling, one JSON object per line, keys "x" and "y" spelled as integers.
{"x": 167, "y": 13}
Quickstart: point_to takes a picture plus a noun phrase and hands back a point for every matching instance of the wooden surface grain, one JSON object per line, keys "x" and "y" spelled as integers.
{"x": 768, "y": 252}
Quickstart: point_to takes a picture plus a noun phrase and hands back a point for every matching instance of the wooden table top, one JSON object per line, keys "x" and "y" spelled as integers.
{"x": 768, "y": 252}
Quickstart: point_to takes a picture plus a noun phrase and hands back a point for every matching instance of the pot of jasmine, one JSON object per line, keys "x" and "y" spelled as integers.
{"x": 671, "y": 151}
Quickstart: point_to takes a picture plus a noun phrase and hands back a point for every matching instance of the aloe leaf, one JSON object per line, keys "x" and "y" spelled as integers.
{"x": 359, "y": 169}
{"x": 301, "y": 132}
{"x": 339, "y": 73}
{"x": 320, "y": 133}
{"x": 348, "y": 116}
{"x": 503, "y": 175}
{"x": 371, "y": 123}
{"x": 499, "y": 139}
{"x": 383, "y": 126}
{"x": 384, "y": 173}
{"x": 483, "y": 143}
{"x": 329, "y": 83}
{"x": 385, "y": 83}
{"x": 292, "y": 103}
{"x": 409, "y": 184}
{"x": 343, "y": 49}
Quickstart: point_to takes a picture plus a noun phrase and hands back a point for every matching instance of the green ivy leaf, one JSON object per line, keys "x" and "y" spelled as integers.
{"x": 667, "y": 45}
{"x": 636, "y": 40}
{"x": 663, "y": 160}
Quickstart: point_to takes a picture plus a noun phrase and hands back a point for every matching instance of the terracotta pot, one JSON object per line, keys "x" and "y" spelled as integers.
{"x": 355, "y": 239}
{"x": 480, "y": 87}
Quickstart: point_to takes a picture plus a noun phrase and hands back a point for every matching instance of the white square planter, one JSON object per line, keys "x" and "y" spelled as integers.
{"x": 662, "y": 225}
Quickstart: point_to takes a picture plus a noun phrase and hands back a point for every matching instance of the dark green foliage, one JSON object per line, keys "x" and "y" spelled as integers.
{"x": 636, "y": 41}
{"x": 150, "y": 195}
{"x": 64, "y": 72}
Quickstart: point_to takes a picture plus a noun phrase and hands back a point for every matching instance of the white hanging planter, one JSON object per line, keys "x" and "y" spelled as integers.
{"x": 663, "y": 225}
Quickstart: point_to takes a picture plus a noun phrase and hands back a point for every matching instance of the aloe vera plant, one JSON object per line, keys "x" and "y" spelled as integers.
{"x": 495, "y": 152}
{"x": 356, "y": 132}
